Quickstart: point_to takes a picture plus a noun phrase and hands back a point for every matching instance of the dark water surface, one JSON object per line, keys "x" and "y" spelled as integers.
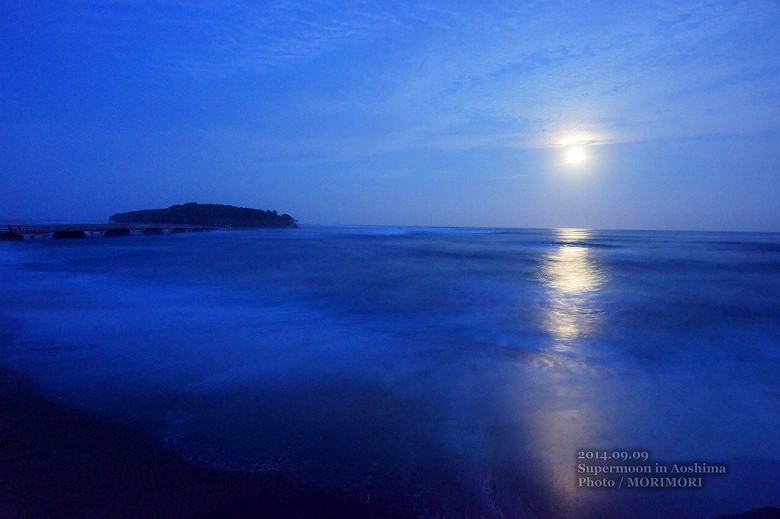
{"x": 451, "y": 372}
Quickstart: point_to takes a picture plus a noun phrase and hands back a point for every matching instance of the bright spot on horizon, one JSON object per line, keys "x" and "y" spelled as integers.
{"x": 575, "y": 154}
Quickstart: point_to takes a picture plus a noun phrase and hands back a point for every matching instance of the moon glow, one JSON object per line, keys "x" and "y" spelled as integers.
{"x": 575, "y": 155}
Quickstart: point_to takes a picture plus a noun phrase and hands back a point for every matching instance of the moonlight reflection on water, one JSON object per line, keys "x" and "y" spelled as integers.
{"x": 573, "y": 279}
{"x": 563, "y": 415}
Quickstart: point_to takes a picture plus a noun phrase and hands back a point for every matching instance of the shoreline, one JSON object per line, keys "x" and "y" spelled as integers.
{"x": 57, "y": 462}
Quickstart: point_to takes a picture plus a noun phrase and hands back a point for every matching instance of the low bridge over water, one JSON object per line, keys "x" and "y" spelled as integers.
{"x": 82, "y": 230}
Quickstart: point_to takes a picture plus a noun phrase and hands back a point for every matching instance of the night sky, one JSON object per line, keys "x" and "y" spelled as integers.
{"x": 413, "y": 113}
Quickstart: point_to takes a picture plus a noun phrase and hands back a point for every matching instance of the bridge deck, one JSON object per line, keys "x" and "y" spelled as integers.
{"x": 95, "y": 227}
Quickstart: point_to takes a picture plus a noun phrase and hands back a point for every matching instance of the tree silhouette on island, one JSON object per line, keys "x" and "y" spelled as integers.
{"x": 208, "y": 214}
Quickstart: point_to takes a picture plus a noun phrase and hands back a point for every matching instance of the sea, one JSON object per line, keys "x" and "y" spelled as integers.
{"x": 444, "y": 372}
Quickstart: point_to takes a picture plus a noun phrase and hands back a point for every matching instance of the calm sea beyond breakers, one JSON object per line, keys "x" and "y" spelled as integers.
{"x": 426, "y": 372}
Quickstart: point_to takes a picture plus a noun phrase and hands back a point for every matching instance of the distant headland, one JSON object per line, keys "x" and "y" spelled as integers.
{"x": 208, "y": 215}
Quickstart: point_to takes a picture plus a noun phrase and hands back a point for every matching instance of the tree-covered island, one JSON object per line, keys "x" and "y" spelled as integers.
{"x": 208, "y": 214}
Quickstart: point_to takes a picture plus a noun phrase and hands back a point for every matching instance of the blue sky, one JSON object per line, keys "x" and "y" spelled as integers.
{"x": 419, "y": 113}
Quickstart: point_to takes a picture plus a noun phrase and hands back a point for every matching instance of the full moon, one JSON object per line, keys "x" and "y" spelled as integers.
{"x": 574, "y": 155}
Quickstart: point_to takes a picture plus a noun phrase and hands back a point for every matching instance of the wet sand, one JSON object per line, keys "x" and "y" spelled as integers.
{"x": 55, "y": 462}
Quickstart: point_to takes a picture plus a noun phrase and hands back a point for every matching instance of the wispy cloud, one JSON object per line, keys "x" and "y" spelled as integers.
{"x": 241, "y": 36}
{"x": 619, "y": 71}
{"x": 446, "y": 75}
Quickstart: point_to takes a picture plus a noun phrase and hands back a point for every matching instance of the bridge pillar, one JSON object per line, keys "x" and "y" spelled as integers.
{"x": 113, "y": 233}
{"x": 68, "y": 235}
